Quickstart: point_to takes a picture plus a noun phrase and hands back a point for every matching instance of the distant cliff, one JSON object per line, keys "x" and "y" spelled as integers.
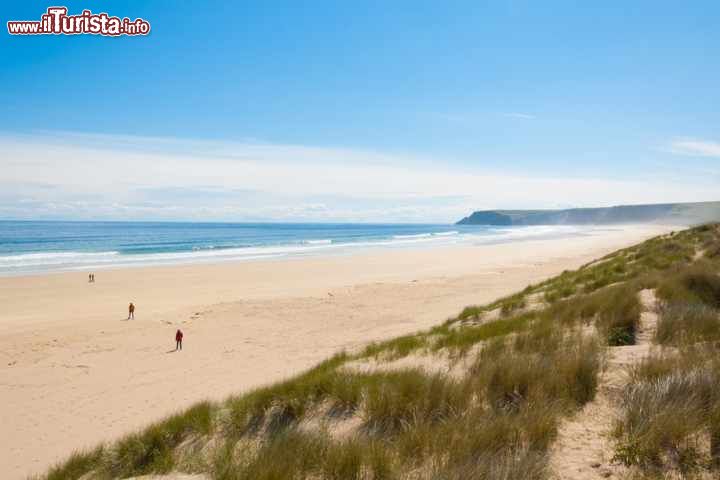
{"x": 680, "y": 213}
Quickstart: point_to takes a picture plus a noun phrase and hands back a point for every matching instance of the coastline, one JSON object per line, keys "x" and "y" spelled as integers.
{"x": 72, "y": 370}
{"x": 34, "y": 248}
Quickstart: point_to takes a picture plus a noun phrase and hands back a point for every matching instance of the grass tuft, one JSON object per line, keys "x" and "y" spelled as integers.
{"x": 461, "y": 339}
{"x": 687, "y": 324}
{"x": 77, "y": 465}
{"x": 670, "y": 408}
{"x": 395, "y": 348}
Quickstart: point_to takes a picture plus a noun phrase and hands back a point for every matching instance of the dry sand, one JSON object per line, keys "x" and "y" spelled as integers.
{"x": 74, "y": 372}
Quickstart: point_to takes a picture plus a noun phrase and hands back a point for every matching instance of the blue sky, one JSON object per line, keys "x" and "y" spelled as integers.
{"x": 360, "y": 111}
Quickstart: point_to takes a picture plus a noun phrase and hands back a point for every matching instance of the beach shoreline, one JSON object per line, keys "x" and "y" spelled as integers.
{"x": 38, "y": 248}
{"x": 74, "y": 372}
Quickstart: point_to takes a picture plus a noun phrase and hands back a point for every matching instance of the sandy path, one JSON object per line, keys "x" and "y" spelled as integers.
{"x": 584, "y": 448}
{"x": 73, "y": 372}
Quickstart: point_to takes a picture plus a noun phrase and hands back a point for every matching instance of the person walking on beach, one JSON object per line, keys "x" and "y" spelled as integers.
{"x": 178, "y": 340}
{"x": 131, "y": 311}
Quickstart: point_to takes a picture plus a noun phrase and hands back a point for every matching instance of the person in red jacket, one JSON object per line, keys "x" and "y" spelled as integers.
{"x": 178, "y": 340}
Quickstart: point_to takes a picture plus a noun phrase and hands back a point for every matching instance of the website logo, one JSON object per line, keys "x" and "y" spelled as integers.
{"x": 57, "y": 22}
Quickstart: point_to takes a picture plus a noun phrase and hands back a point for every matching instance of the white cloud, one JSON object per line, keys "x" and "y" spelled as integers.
{"x": 116, "y": 177}
{"x": 694, "y": 147}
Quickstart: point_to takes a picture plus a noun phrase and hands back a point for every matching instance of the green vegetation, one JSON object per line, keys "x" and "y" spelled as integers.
{"x": 560, "y": 291}
{"x": 512, "y": 304}
{"x": 462, "y": 338}
{"x": 670, "y": 418}
{"x": 619, "y": 315}
{"x": 296, "y": 454}
{"x": 615, "y": 312}
{"x": 695, "y": 284}
{"x": 687, "y": 324}
{"x": 506, "y": 306}
{"x": 517, "y": 389}
{"x": 712, "y": 252}
{"x": 77, "y": 465}
{"x": 396, "y": 348}
{"x": 496, "y": 414}
{"x": 690, "y": 310}
{"x": 671, "y": 413}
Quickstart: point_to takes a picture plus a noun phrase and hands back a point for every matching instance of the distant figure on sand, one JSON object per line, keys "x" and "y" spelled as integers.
{"x": 91, "y": 278}
{"x": 178, "y": 340}
{"x": 131, "y": 311}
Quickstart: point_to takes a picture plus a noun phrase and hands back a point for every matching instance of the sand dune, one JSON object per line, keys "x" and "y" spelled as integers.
{"x": 75, "y": 372}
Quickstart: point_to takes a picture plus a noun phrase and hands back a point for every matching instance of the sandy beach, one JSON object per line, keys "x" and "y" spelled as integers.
{"x": 74, "y": 372}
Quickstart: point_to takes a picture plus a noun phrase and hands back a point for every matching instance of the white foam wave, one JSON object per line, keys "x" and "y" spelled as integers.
{"x": 418, "y": 235}
{"x": 325, "y": 241}
{"x": 45, "y": 261}
{"x": 536, "y": 230}
{"x": 54, "y": 258}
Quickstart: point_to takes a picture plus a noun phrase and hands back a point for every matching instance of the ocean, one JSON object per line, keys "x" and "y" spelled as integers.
{"x": 45, "y": 246}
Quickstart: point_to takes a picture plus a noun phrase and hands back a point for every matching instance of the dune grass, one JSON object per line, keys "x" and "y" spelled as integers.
{"x": 712, "y": 252}
{"x": 615, "y": 312}
{"x": 690, "y": 308}
{"x": 527, "y": 371}
{"x": 695, "y": 284}
{"x": 670, "y": 416}
{"x": 396, "y": 348}
{"x": 149, "y": 451}
{"x": 77, "y": 465}
{"x": 687, "y": 324}
{"x": 506, "y": 305}
{"x": 462, "y": 338}
{"x": 295, "y": 454}
{"x": 671, "y": 409}
{"x": 517, "y": 389}
{"x": 619, "y": 315}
